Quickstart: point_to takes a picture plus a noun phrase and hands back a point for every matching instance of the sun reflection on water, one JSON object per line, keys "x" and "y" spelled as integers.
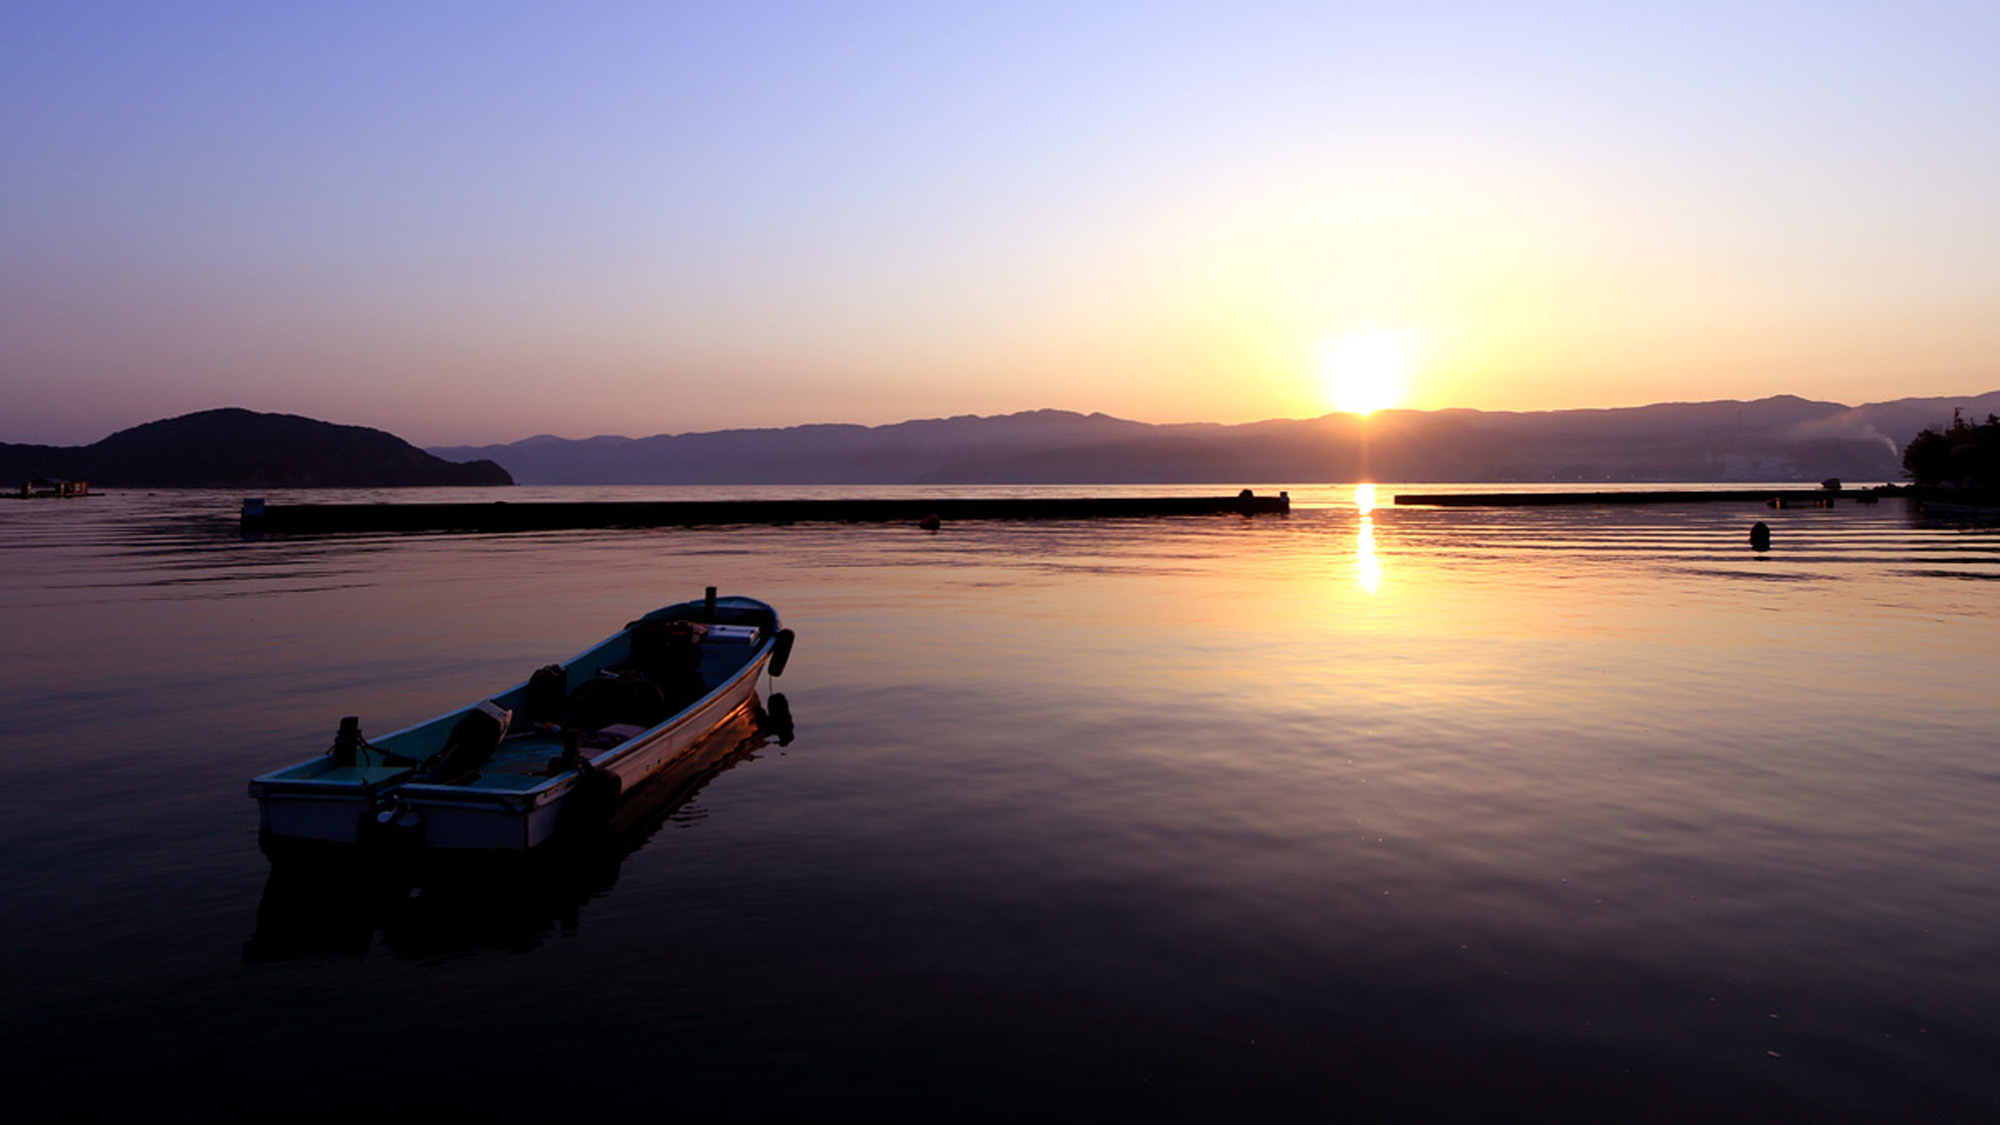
{"x": 1367, "y": 569}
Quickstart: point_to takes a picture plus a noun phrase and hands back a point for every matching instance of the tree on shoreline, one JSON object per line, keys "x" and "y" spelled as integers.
{"x": 1962, "y": 454}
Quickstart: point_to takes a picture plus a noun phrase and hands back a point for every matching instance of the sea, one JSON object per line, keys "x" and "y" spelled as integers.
{"x": 1367, "y": 811}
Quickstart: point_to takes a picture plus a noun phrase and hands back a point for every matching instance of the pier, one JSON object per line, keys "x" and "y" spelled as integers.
{"x": 259, "y": 518}
{"x": 1777, "y": 498}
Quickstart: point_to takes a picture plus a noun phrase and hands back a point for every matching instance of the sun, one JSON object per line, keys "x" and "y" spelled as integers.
{"x": 1363, "y": 372}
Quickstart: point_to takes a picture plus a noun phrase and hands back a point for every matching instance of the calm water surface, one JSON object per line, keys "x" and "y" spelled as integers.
{"x": 1470, "y": 814}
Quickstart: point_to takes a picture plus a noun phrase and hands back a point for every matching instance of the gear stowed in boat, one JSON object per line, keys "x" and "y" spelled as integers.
{"x": 507, "y": 772}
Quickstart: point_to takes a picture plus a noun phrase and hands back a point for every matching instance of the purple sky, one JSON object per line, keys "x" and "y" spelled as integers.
{"x": 477, "y": 221}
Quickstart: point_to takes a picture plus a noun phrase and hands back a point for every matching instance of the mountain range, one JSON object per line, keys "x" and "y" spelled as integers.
{"x": 1778, "y": 438}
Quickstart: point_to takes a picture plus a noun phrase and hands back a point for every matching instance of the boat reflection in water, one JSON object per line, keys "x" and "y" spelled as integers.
{"x": 425, "y": 905}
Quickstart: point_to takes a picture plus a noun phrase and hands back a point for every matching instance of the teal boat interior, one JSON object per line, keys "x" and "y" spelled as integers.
{"x": 563, "y": 714}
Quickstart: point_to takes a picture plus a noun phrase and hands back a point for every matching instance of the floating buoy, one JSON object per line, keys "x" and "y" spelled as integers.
{"x": 930, "y": 522}
{"x": 1760, "y": 536}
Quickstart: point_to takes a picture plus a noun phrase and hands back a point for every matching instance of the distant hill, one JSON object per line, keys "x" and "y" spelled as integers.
{"x": 1778, "y": 438}
{"x": 234, "y": 448}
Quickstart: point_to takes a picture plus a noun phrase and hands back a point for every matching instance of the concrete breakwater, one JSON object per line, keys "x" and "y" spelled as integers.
{"x": 259, "y": 518}
{"x": 1780, "y": 497}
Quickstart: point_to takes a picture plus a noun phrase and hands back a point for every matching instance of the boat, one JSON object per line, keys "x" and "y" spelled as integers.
{"x": 321, "y": 903}
{"x": 510, "y": 772}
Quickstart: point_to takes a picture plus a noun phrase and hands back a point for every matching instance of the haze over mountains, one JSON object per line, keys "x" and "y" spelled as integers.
{"x": 1778, "y": 438}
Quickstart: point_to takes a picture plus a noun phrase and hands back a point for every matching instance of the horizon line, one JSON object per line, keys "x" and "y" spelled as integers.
{"x": 1051, "y": 410}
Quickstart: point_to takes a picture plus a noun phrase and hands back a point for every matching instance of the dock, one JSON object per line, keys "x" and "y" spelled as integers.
{"x": 1775, "y": 497}
{"x": 259, "y": 518}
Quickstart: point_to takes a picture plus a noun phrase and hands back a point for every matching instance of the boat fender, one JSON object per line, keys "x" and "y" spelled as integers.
{"x": 781, "y": 651}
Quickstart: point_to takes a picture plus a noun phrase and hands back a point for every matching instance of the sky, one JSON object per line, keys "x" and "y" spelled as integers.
{"x": 473, "y": 222}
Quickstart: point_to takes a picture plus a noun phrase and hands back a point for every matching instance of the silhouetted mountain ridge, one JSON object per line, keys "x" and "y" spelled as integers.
{"x": 1783, "y": 437}
{"x": 236, "y": 448}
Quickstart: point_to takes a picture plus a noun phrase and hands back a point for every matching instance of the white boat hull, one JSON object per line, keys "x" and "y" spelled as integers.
{"x": 333, "y": 818}
{"x": 449, "y": 818}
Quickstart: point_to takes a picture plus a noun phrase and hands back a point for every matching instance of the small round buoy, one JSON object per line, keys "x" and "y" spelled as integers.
{"x": 930, "y": 522}
{"x": 1760, "y": 536}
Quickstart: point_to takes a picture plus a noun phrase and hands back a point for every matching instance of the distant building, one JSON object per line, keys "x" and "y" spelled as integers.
{"x": 44, "y": 487}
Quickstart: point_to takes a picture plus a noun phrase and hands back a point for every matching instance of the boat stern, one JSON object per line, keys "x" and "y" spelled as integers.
{"x": 321, "y": 801}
